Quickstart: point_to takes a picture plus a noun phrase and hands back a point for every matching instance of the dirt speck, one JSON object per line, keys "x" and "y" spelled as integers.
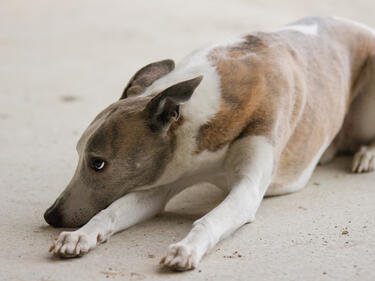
{"x": 137, "y": 276}
{"x": 345, "y": 232}
{"x": 68, "y": 98}
{"x": 302, "y": 208}
{"x": 112, "y": 273}
{"x": 4, "y": 116}
{"x": 151, "y": 256}
{"x": 316, "y": 183}
{"x": 234, "y": 255}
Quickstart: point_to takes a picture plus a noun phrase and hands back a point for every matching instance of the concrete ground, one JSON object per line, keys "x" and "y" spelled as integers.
{"x": 63, "y": 61}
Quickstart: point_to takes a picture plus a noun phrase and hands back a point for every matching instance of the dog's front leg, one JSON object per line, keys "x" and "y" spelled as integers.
{"x": 123, "y": 213}
{"x": 248, "y": 167}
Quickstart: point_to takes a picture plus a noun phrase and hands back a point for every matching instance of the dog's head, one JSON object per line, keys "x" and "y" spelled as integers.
{"x": 127, "y": 146}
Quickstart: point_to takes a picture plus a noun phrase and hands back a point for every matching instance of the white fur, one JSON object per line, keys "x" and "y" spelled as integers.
{"x": 249, "y": 168}
{"x": 364, "y": 159}
{"x": 202, "y": 106}
{"x": 121, "y": 214}
{"x": 206, "y": 100}
{"x": 311, "y": 29}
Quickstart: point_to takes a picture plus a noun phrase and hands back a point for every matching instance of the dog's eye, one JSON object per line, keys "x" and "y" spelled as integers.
{"x": 97, "y": 164}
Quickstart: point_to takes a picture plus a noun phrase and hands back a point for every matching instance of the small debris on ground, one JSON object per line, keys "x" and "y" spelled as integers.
{"x": 112, "y": 273}
{"x": 151, "y": 256}
{"x": 3, "y": 116}
{"x": 137, "y": 276}
{"x": 234, "y": 255}
{"x": 68, "y": 98}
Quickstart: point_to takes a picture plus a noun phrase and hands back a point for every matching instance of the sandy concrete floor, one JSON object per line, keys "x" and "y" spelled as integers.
{"x": 63, "y": 61}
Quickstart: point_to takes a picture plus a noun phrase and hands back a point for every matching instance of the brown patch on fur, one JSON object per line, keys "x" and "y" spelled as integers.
{"x": 251, "y": 44}
{"x": 244, "y": 94}
{"x": 292, "y": 88}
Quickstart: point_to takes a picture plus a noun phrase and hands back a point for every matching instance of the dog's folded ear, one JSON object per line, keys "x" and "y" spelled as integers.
{"x": 146, "y": 76}
{"x": 164, "y": 108}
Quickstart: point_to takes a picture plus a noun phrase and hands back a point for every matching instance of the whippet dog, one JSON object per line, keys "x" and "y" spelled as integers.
{"x": 252, "y": 115}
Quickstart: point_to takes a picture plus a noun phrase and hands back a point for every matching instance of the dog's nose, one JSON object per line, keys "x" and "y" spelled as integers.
{"x": 53, "y": 216}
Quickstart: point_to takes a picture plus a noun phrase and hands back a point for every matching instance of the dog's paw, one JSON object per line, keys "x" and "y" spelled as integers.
{"x": 72, "y": 244}
{"x": 181, "y": 257}
{"x": 363, "y": 161}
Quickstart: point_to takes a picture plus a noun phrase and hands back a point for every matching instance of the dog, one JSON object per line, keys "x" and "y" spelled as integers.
{"x": 253, "y": 115}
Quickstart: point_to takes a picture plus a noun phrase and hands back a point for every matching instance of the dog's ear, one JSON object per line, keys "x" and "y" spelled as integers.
{"x": 164, "y": 108}
{"x": 146, "y": 76}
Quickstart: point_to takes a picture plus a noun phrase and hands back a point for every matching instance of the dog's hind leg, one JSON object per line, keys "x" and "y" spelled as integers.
{"x": 249, "y": 166}
{"x": 359, "y": 127}
{"x": 364, "y": 159}
{"x": 129, "y": 210}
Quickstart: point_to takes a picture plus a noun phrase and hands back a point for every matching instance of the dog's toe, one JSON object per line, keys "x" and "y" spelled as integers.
{"x": 72, "y": 244}
{"x": 180, "y": 257}
{"x": 363, "y": 161}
